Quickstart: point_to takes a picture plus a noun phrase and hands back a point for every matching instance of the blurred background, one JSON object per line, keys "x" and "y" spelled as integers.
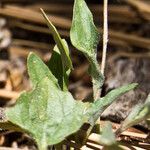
{"x": 23, "y": 29}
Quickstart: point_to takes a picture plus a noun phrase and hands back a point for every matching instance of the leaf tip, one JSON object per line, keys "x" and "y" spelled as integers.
{"x": 42, "y": 11}
{"x": 31, "y": 54}
{"x": 134, "y": 85}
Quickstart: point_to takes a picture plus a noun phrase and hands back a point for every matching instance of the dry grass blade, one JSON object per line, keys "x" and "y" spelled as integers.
{"x": 8, "y": 94}
{"x": 142, "y": 7}
{"x": 35, "y": 17}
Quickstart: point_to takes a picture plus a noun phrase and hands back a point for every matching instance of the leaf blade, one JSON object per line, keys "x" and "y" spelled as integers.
{"x": 60, "y": 43}
{"x": 55, "y": 64}
{"x": 36, "y": 113}
{"x": 101, "y": 104}
{"x": 38, "y": 70}
{"x": 84, "y": 34}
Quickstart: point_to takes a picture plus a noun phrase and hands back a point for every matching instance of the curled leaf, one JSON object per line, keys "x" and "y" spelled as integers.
{"x": 55, "y": 64}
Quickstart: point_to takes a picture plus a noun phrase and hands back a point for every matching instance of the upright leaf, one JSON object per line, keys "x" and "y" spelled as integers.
{"x": 84, "y": 34}
{"x": 85, "y": 37}
{"x": 38, "y": 70}
{"x": 63, "y": 48}
{"x": 48, "y": 114}
{"x": 56, "y": 66}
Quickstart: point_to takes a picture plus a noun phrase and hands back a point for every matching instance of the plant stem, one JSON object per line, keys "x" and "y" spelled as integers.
{"x": 105, "y": 35}
{"x": 105, "y": 40}
{"x": 97, "y": 92}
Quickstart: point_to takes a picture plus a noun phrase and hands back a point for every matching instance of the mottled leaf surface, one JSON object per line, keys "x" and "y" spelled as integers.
{"x": 84, "y": 34}
{"x": 37, "y": 70}
{"x": 85, "y": 37}
{"x": 48, "y": 113}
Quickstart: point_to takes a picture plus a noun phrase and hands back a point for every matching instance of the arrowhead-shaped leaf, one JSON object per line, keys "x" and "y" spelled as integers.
{"x": 101, "y": 104}
{"x": 48, "y": 114}
{"x": 139, "y": 113}
{"x": 37, "y": 70}
{"x": 85, "y": 37}
{"x": 63, "y": 49}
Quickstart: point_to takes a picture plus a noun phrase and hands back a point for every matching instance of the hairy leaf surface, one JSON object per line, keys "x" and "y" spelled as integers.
{"x": 85, "y": 37}
{"x": 101, "y": 104}
{"x": 37, "y": 70}
{"x": 84, "y": 34}
{"x": 48, "y": 114}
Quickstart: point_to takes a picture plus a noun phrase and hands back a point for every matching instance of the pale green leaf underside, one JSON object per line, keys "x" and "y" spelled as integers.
{"x": 139, "y": 113}
{"x": 107, "y": 137}
{"x": 37, "y": 70}
{"x": 48, "y": 113}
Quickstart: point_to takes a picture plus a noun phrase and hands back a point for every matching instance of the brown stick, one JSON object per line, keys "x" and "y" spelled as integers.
{"x": 33, "y": 44}
{"x": 9, "y": 94}
{"x": 33, "y": 16}
{"x": 116, "y": 13}
{"x": 35, "y": 28}
{"x": 130, "y": 39}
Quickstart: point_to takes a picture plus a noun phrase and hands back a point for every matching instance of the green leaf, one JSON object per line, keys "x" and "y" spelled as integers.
{"x": 62, "y": 47}
{"x": 38, "y": 70}
{"x": 85, "y": 37}
{"x": 107, "y": 138}
{"x": 139, "y": 113}
{"x": 84, "y": 34}
{"x": 55, "y": 64}
{"x": 101, "y": 104}
{"x": 48, "y": 113}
